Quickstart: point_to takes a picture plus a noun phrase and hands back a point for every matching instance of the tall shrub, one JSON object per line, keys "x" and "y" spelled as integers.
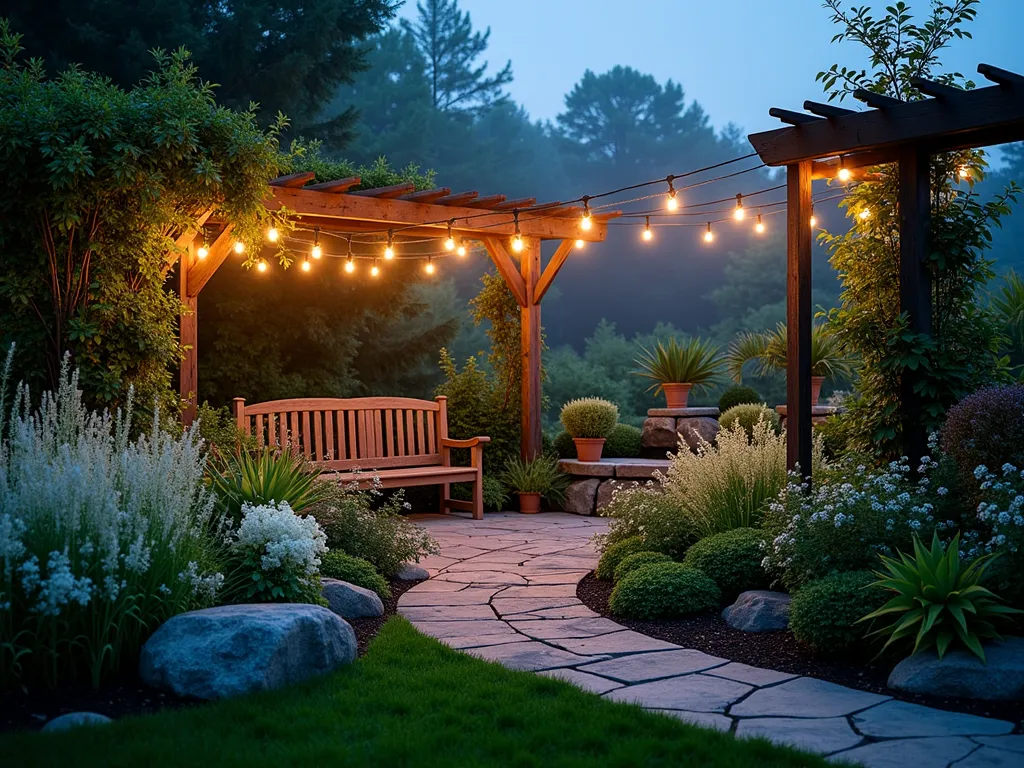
{"x": 961, "y": 351}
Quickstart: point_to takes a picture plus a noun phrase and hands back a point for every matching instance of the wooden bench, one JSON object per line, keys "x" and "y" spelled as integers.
{"x": 388, "y": 441}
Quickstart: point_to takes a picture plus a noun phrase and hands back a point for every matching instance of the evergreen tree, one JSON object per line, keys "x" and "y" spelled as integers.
{"x": 445, "y": 37}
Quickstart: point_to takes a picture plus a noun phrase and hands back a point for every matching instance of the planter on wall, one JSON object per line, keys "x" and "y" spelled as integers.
{"x": 816, "y": 382}
{"x": 529, "y": 503}
{"x": 676, "y": 394}
{"x": 589, "y": 448}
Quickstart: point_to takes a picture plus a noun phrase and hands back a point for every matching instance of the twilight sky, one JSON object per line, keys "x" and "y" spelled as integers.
{"x": 736, "y": 57}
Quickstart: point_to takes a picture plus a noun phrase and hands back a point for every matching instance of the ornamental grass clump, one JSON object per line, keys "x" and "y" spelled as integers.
{"x": 589, "y": 417}
{"x": 540, "y": 475}
{"x": 939, "y": 602}
{"x": 102, "y": 538}
{"x": 727, "y": 485}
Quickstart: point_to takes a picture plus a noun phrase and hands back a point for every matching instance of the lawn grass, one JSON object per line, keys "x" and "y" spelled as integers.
{"x": 409, "y": 702}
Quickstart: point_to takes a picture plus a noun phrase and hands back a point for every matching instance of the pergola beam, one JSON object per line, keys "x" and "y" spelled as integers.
{"x": 507, "y": 269}
{"x": 201, "y": 270}
{"x": 551, "y": 270}
{"x": 827, "y": 110}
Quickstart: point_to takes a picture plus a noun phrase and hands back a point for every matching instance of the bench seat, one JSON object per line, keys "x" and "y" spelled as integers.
{"x": 408, "y": 476}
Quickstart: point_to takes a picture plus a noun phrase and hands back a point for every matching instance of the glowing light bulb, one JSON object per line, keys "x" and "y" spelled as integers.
{"x": 964, "y": 172}
{"x": 844, "y": 174}
{"x": 814, "y": 219}
{"x": 647, "y": 235}
{"x": 865, "y": 214}
{"x": 586, "y": 222}
{"x": 449, "y": 244}
{"x": 262, "y": 266}
{"x": 739, "y": 214}
{"x": 580, "y": 243}
{"x": 239, "y": 246}
{"x": 517, "y": 243}
{"x": 672, "y": 203}
{"x": 389, "y": 249}
{"x": 272, "y": 234}
{"x": 461, "y": 250}
{"x": 759, "y": 227}
{"x": 306, "y": 266}
{"x": 317, "y": 252}
{"x": 429, "y": 268}
{"x": 709, "y": 236}
{"x": 202, "y": 251}
{"x": 350, "y": 265}
{"x": 374, "y": 270}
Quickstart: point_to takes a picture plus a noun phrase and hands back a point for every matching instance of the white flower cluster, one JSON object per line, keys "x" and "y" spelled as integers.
{"x": 1000, "y": 512}
{"x": 280, "y": 539}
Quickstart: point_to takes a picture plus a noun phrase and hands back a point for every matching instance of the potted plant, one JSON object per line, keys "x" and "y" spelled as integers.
{"x": 678, "y": 368}
{"x": 533, "y": 479}
{"x": 589, "y": 420}
{"x": 828, "y": 355}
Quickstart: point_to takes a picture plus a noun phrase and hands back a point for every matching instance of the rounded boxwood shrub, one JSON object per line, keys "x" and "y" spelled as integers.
{"x": 664, "y": 590}
{"x": 614, "y": 554}
{"x": 747, "y": 415}
{"x": 564, "y": 446}
{"x": 732, "y": 559}
{"x": 737, "y": 395}
{"x": 623, "y": 442}
{"x": 987, "y": 428}
{"x": 636, "y": 560}
{"x": 354, "y": 570}
{"x": 589, "y": 417}
{"x": 825, "y": 612}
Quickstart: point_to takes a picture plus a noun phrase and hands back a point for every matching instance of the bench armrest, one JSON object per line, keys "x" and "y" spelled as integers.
{"x": 470, "y": 443}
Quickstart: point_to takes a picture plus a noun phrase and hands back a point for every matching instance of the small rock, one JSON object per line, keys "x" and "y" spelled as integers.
{"x": 412, "y": 572}
{"x": 693, "y": 430}
{"x": 74, "y": 720}
{"x": 608, "y": 489}
{"x": 580, "y": 495}
{"x": 759, "y": 610}
{"x": 962, "y": 674}
{"x": 350, "y": 601}
{"x": 231, "y": 650}
{"x": 659, "y": 432}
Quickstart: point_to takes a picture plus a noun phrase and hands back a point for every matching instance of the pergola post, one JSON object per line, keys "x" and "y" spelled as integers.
{"x": 188, "y": 332}
{"x": 529, "y": 269}
{"x": 915, "y": 282}
{"x": 798, "y": 318}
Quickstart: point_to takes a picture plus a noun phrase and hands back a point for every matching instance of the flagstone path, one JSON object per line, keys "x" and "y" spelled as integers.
{"x": 504, "y": 589}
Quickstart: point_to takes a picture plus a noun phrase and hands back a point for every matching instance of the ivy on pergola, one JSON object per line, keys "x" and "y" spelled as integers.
{"x": 332, "y": 207}
{"x": 830, "y": 138}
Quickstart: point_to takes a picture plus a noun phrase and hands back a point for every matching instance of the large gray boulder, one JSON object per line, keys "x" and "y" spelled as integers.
{"x": 692, "y": 431}
{"x": 75, "y": 720}
{"x": 759, "y": 610}
{"x": 350, "y": 601}
{"x": 412, "y": 572}
{"x": 962, "y": 674}
{"x": 231, "y": 650}
{"x": 659, "y": 432}
{"x": 606, "y": 492}
{"x": 579, "y": 496}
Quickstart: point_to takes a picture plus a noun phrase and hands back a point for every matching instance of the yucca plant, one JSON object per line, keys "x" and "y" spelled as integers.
{"x": 828, "y": 354}
{"x": 541, "y": 475}
{"x": 265, "y": 476}
{"x": 938, "y": 601}
{"x": 693, "y": 362}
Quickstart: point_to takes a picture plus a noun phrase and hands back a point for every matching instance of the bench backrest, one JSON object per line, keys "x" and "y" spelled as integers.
{"x": 351, "y": 433}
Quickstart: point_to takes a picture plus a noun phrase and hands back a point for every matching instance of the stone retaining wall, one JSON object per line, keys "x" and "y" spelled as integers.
{"x": 663, "y": 428}
{"x": 595, "y": 482}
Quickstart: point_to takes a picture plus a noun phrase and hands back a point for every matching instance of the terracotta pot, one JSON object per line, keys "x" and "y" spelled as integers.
{"x": 816, "y": 382}
{"x": 529, "y": 503}
{"x": 676, "y": 394}
{"x": 589, "y": 448}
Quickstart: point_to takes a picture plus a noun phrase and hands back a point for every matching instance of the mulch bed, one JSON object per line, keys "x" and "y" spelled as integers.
{"x": 783, "y": 652}
{"x": 29, "y": 711}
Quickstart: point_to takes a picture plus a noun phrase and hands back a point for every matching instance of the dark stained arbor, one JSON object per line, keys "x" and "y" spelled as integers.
{"x": 891, "y": 131}
{"x": 334, "y": 207}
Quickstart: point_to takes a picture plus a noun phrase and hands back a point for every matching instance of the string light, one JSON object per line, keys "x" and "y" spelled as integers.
{"x": 709, "y": 235}
{"x": 389, "y": 249}
{"x": 517, "y": 239}
{"x": 759, "y": 227}
{"x": 585, "y": 222}
{"x": 374, "y": 270}
{"x": 272, "y": 234}
{"x": 306, "y": 266}
{"x": 239, "y": 246}
{"x": 262, "y": 265}
{"x": 579, "y": 243}
{"x": 449, "y": 244}
{"x": 203, "y": 251}
{"x": 647, "y": 234}
{"x": 350, "y": 264}
{"x": 671, "y": 203}
{"x": 461, "y": 250}
{"x": 844, "y": 172}
{"x": 814, "y": 219}
{"x": 317, "y": 251}
{"x": 739, "y": 214}
{"x": 429, "y": 268}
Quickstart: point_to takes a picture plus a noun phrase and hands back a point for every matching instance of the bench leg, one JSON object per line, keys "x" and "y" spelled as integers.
{"x": 446, "y": 490}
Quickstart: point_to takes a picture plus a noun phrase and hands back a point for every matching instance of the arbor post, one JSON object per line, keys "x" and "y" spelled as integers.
{"x": 529, "y": 268}
{"x": 915, "y": 284}
{"x": 188, "y": 335}
{"x": 798, "y": 317}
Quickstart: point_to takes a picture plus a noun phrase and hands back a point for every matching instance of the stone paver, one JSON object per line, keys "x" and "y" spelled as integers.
{"x": 504, "y": 589}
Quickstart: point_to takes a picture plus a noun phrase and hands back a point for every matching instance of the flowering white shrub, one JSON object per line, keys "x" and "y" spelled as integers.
{"x": 101, "y": 538}
{"x": 646, "y": 512}
{"x": 1000, "y": 513}
{"x": 277, "y": 554}
{"x": 852, "y": 514}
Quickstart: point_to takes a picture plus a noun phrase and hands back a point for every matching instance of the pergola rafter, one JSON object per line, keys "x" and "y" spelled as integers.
{"x": 335, "y": 208}
{"x": 893, "y": 131}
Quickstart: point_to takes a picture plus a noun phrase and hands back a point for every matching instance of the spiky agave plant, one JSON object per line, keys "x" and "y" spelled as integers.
{"x": 695, "y": 361}
{"x": 540, "y": 475}
{"x": 264, "y": 477}
{"x": 938, "y": 601}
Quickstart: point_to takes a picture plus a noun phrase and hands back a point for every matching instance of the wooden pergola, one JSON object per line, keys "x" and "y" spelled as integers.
{"x": 892, "y": 131}
{"x": 338, "y": 207}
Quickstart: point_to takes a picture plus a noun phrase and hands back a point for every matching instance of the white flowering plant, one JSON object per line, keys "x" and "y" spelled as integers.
{"x": 275, "y": 555}
{"x": 852, "y": 514}
{"x": 998, "y": 527}
{"x": 102, "y": 537}
{"x": 645, "y": 512}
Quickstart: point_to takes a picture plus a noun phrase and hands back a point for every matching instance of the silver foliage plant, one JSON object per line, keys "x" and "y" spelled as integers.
{"x": 102, "y": 537}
